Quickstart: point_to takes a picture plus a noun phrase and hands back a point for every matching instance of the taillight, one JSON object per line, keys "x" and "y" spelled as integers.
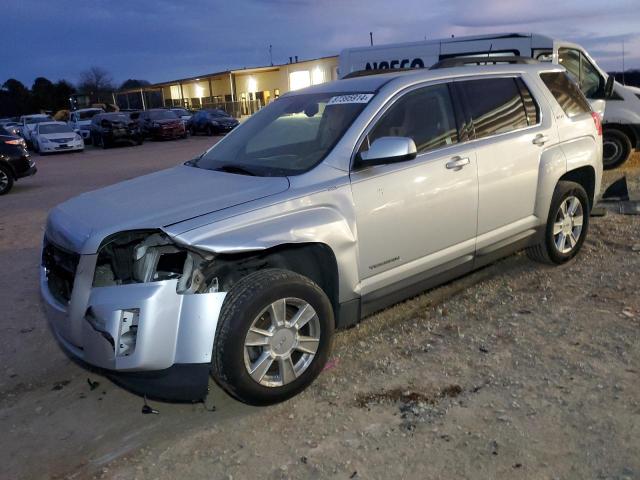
{"x": 597, "y": 121}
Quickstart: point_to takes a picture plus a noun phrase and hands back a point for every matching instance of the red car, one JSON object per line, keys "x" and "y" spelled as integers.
{"x": 159, "y": 123}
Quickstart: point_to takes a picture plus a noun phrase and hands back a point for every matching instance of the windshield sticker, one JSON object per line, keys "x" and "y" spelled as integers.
{"x": 353, "y": 98}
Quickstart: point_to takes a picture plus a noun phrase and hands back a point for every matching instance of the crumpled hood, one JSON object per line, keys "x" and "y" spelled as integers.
{"x": 152, "y": 201}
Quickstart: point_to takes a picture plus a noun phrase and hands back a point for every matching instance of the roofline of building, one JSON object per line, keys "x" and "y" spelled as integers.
{"x": 196, "y": 78}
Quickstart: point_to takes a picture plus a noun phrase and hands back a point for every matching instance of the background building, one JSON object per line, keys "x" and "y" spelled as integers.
{"x": 240, "y": 92}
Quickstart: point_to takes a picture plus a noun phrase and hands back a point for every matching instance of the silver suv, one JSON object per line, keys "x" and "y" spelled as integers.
{"x": 329, "y": 204}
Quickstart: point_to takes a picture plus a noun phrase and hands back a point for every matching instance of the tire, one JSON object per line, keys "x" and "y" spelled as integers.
{"x": 193, "y": 131}
{"x": 616, "y": 148}
{"x": 247, "y": 304}
{"x": 35, "y": 147}
{"x": 210, "y": 130}
{"x": 103, "y": 143}
{"x": 6, "y": 180}
{"x": 548, "y": 251}
{"x": 140, "y": 140}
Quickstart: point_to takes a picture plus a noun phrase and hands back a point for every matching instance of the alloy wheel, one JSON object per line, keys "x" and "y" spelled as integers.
{"x": 4, "y": 180}
{"x": 282, "y": 342}
{"x": 567, "y": 227}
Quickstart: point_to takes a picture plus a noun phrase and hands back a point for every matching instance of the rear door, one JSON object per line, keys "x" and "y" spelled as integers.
{"x": 419, "y": 214}
{"x": 510, "y": 135}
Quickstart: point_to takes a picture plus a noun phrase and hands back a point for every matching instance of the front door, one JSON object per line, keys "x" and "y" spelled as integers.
{"x": 416, "y": 215}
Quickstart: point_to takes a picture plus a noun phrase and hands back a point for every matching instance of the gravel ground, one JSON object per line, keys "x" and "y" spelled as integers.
{"x": 516, "y": 371}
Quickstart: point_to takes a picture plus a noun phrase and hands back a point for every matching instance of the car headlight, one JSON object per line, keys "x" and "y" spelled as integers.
{"x": 78, "y": 137}
{"x": 44, "y": 140}
{"x": 143, "y": 256}
{"x": 214, "y": 123}
{"x": 155, "y": 124}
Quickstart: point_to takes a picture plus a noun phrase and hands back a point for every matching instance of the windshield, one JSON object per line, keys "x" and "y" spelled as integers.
{"x": 218, "y": 113}
{"x": 88, "y": 114}
{"x": 162, "y": 115}
{"x": 288, "y": 137}
{"x": 55, "y": 128}
{"x": 32, "y": 120}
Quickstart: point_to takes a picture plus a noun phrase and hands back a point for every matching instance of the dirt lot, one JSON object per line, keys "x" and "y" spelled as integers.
{"x": 517, "y": 371}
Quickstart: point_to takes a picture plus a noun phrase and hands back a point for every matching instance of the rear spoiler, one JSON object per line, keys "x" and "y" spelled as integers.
{"x": 481, "y": 60}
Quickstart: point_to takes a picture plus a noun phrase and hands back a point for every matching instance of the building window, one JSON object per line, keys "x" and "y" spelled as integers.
{"x": 299, "y": 79}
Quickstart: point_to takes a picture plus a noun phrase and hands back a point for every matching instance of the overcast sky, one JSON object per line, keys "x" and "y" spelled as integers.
{"x": 160, "y": 40}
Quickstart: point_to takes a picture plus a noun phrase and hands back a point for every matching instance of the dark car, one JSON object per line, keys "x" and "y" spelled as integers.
{"x": 159, "y": 123}
{"x": 110, "y": 128}
{"x": 184, "y": 115}
{"x": 212, "y": 121}
{"x": 15, "y": 161}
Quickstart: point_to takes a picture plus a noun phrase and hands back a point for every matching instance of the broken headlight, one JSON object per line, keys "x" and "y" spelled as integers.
{"x": 149, "y": 256}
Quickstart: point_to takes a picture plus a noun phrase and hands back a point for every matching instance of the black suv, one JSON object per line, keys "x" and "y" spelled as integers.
{"x": 15, "y": 162}
{"x": 110, "y": 128}
{"x": 213, "y": 121}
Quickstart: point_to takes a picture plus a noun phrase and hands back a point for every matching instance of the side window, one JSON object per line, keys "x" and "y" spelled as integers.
{"x": 566, "y": 93}
{"x": 425, "y": 115}
{"x": 583, "y": 72}
{"x": 570, "y": 59}
{"x": 591, "y": 82}
{"x": 495, "y": 104}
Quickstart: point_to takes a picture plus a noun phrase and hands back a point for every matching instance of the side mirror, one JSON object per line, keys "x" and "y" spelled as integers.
{"x": 608, "y": 87}
{"x": 388, "y": 150}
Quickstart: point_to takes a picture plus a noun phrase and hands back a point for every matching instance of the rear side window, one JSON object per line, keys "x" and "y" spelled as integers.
{"x": 425, "y": 115}
{"x": 531, "y": 108}
{"x": 566, "y": 93}
{"x": 495, "y": 105}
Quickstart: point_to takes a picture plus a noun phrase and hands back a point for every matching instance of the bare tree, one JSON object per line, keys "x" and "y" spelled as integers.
{"x": 95, "y": 81}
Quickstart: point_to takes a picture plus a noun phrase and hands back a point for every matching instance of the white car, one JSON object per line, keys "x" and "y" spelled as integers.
{"x": 50, "y": 137}
{"x": 29, "y": 122}
{"x": 80, "y": 121}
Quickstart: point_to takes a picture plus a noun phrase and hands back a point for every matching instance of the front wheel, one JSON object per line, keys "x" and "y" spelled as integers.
{"x": 567, "y": 225}
{"x": 273, "y": 337}
{"x": 6, "y": 180}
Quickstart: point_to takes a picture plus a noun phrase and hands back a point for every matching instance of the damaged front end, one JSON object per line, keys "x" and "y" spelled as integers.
{"x": 142, "y": 309}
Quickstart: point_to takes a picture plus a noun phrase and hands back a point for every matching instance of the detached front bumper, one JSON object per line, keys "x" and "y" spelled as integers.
{"x": 173, "y": 343}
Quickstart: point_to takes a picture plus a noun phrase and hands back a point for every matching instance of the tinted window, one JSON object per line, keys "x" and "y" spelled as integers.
{"x": 161, "y": 115}
{"x": 425, "y": 115}
{"x": 495, "y": 105}
{"x": 566, "y": 92}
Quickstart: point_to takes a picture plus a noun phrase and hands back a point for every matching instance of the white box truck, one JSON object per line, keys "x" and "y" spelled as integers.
{"x": 621, "y": 121}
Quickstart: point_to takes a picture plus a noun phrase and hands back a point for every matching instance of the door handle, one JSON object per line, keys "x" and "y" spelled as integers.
{"x": 456, "y": 163}
{"x": 540, "y": 139}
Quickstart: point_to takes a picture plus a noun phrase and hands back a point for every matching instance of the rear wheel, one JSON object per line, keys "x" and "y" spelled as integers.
{"x": 616, "y": 148}
{"x": 6, "y": 180}
{"x": 567, "y": 225}
{"x": 273, "y": 337}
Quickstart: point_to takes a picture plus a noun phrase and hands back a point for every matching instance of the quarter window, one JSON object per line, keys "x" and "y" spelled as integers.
{"x": 496, "y": 106}
{"x": 425, "y": 115}
{"x": 566, "y": 92}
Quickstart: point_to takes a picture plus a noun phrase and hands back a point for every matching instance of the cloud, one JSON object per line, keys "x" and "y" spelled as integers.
{"x": 165, "y": 39}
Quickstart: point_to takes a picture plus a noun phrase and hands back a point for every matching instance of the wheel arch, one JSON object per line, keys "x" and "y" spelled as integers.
{"x": 585, "y": 176}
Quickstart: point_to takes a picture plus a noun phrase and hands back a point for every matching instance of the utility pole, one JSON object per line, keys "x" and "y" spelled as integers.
{"x": 271, "y": 54}
{"x": 371, "y": 38}
{"x": 623, "y": 82}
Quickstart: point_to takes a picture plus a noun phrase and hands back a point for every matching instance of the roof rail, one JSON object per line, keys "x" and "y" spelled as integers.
{"x": 481, "y": 60}
{"x": 366, "y": 73}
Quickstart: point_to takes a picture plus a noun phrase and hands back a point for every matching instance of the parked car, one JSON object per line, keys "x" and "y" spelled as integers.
{"x": 184, "y": 115}
{"x": 333, "y": 202}
{"x": 212, "y": 122}
{"x": 29, "y": 122}
{"x": 80, "y": 121}
{"x": 50, "y": 137}
{"x": 15, "y": 161}
{"x": 159, "y": 123}
{"x": 108, "y": 129}
{"x": 13, "y": 128}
